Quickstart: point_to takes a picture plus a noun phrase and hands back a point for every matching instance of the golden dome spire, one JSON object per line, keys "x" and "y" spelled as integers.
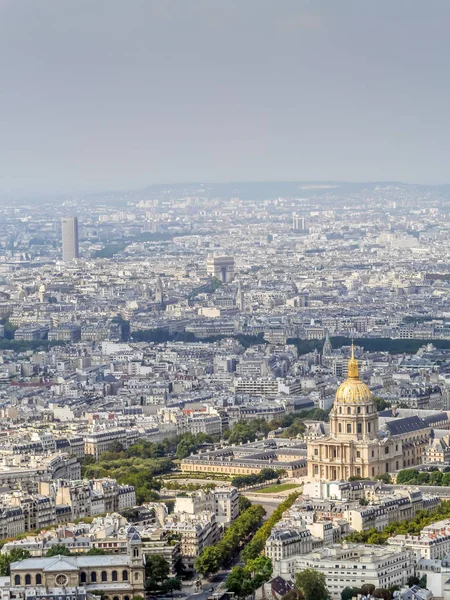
{"x": 353, "y": 372}
{"x": 353, "y": 390}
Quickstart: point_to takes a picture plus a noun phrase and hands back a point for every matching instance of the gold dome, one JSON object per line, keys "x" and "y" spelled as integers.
{"x": 353, "y": 390}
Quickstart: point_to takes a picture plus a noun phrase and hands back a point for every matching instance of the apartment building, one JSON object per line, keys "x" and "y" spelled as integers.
{"x": 196, "y": 532}
{"x": 352, "y": 565}
{"x": 430, "y": 546}
{"x": 98, "y": 442}
{"x": 283, "y": 544}
{"x": 90, "y": 497}
{"x": 223, "y": 502}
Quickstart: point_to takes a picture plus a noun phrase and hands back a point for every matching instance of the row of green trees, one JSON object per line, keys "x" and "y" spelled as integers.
{"x": 249, "y": 431}
{"x": 215, "y": 557}
{"x": 409, "y": 346}
{"x": 160, "y": 336}
{"x": 258, "y": 542}
{"x": 257, "y": 478}
{"x": 431, "y": 477}
{"x": 411, "y": 527}
{"x": 244, "y": 580}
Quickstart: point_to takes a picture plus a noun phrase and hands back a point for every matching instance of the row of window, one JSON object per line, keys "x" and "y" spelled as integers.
{"x": 83, "y": 577}
{"x": 358, "y": 410}
{"x": 104, "y": 576}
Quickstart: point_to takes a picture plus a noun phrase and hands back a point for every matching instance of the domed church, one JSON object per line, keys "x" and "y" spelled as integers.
{"x": 354, "y": 447}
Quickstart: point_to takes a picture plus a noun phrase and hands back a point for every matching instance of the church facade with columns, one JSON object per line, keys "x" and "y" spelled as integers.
{"x": 354, "y": 446}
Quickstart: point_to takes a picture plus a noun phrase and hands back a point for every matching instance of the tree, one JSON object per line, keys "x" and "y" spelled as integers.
{"x": 350, "y": 592}
{"x": 95, "y": 552}
{"x": 382, "y": 593}
{"x": 407, "y": 475}
{"x": 171, "y": 584}
{"x": 18, "y": 554}
{"x": 209, "y": 561}
{"x": 260, "y": 570}
{"x": 58, "y": 550}
{"x": 384, "y": 477}
{"x": 380, "y": 403}
{"x": 4, "y": 565}
{"x": 291, "y": 595}
{"x": 157, "y": 571}
{"x": 413, "y": 580}
{"x": 244, "y": 503}
{"x": 15, "y": 555}
{"x": 312, "y": 584}
{"x": 239, "y": 583}
{"x": 116, "y": 447}
{"x": 367, "y": 589}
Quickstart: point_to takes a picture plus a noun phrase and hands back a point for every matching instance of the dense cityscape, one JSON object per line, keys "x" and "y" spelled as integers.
{"x": 217, "y": 391}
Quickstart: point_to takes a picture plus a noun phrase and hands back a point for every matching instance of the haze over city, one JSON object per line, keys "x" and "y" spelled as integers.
{"x": 110, "y": 94}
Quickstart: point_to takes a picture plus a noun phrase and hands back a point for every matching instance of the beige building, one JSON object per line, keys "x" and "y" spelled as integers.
{"x": 354, "y": 446}
{"x": 352, "y": 565}
{"x": 118, "y": 576}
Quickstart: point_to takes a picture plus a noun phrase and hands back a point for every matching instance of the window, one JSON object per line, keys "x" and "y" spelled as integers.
{"x": 387, "y": 467}
{"x": 316, "y": 451}
{"x": 27, "y": 579}
{"x": 359, "y": 428}
{"x": 17, "y": 580}
{"x": 114, "y": 575}
{"x": 94, "y": 577}
{"x": 368, "y": 427}
{"x": 373, "y": 471}
{"x": 82, "y": 577}
{"x": 340, "y": 428}
{"x": 358, "y": 410}
{"x": 136, "y": 575}
{"x": 349, "y": 428}
{"x": 124, "y": 575}
{"x": 386, "y": 450}
{"x": 348, "y": 410}
{"x": 38, "y": 579}
{"x": 316, "y": 470}
{"x": 373, "y": 453}
{"x": 358, "y": 454}
{"x": 104, "y": 576}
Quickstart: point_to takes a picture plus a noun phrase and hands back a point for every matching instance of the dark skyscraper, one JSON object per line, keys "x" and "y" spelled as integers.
{"x": 70, "y": 238}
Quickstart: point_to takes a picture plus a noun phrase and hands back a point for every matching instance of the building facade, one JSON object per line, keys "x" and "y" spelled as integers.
{"x": 355, "y": 447}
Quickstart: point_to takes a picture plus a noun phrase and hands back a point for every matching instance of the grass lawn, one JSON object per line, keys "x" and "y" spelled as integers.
{"x": 274, "y": 489}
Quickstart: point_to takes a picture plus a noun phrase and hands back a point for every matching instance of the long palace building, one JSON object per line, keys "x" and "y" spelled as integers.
{"x": 355, "y": 447}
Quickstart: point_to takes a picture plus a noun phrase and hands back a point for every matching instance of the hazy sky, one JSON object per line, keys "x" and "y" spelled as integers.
{"x": 121, "y": 93}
